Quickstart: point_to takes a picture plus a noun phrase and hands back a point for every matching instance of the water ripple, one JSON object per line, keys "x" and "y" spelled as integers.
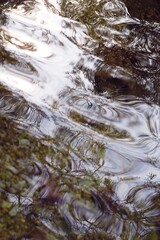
{"x": 79, "y": 116}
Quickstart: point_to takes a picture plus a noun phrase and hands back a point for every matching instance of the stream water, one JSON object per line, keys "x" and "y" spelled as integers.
{"x": 80, "y": 119}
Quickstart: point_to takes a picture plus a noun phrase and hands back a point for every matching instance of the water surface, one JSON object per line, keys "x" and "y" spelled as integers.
{"x": 79, "y": 117}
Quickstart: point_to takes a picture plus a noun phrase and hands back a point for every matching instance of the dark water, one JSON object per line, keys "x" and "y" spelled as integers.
{"x": 80, "y": 119}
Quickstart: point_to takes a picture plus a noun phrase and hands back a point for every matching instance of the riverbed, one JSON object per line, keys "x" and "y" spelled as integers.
{"x": 80, "y": 119}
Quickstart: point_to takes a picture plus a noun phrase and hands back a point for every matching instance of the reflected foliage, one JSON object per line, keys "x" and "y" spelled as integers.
{"x": 128, "y": 47}
{"x": 79, "y": 117}
{"x": 144, "y": 9}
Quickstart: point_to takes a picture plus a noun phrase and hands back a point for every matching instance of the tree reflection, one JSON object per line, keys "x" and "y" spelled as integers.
{"x": 128, "y": 47}
{"x": 77, "y": 167}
